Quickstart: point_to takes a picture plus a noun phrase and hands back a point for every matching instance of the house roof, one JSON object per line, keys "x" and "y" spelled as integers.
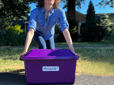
{"x": 80, "y": 17}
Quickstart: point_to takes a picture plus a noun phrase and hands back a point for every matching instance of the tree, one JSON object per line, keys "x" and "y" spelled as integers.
{"x": 90, "y": 31}
{"x": 11, "y": 10}
{"x": 106, "y": 2}
{"x": 71, "y": 15}
{"x": 70, "y": 5}
{"x": 14, "y": 9}
{"x": 71, "y": 8}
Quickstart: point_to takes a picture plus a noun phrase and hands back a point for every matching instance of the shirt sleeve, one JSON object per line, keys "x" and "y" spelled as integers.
{"x": 32, "y": 21}
{"x": 63, "y": 21}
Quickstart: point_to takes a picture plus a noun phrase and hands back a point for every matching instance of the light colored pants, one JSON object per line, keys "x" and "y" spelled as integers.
{"x": 44, "y": 44}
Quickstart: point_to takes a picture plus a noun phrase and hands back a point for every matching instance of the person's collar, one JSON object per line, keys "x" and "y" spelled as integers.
{"x": 52, "y": 10}
{"x": 43, "y": 10}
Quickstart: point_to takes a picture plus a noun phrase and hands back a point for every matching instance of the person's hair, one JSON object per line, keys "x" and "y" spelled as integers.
{"x": 55, "y": 5}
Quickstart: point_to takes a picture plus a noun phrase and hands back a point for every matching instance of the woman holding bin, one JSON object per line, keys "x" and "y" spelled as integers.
{"x": 42, "y": 25}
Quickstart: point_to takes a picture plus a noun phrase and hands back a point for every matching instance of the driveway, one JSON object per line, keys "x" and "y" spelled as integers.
{"x": 82, "y": 79}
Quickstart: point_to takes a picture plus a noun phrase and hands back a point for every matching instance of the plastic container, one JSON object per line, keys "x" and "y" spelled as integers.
{"x": 45, "y": 66}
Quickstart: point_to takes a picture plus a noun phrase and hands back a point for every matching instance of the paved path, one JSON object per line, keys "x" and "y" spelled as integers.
{"x": 17, "y": 79}
{"x": 93, "y": 80}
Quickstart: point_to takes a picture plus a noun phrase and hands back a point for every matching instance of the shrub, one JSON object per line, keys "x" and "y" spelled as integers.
{"x": 101, "y": 33}
{"x": 105, "y": 29}
{"x": 73, "y": 28}
{"x": 58, "y": 34}
{"x": 12, "y": 36}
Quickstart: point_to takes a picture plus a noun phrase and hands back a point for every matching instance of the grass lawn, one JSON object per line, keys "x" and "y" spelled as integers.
{"x": 98, "y": 61}
{"x": 93, "y": 60}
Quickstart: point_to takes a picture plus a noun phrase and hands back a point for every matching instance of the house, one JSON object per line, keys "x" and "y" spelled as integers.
{"x": 81, "y": 19}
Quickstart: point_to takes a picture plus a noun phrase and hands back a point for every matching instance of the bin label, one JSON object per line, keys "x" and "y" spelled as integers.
{"x": 50, "y": 68}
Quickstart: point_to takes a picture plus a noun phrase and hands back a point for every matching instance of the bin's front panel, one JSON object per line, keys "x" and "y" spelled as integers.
{"x": 50, "y": 71}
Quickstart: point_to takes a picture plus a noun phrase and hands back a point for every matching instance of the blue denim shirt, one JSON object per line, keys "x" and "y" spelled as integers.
{"x": 46, "y": 28}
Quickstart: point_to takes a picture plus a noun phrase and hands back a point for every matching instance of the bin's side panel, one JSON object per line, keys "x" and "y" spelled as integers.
{"x": 69, "y": 70}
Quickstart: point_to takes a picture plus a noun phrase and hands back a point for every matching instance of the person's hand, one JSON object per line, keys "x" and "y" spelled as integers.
{"x": 24, "y": 53}
{"x": 74, "y": 52}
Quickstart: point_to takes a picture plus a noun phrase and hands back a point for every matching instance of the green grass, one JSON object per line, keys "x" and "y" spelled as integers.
{"x": 9, "y": 60}
{"x": 93, "y": 60}
{"x": 98, "y": 61}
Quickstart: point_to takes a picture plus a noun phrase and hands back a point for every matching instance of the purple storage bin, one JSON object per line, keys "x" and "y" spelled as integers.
{"x": 46, "y": 66}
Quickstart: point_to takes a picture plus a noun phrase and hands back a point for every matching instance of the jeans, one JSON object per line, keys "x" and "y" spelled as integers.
{"x": 44, "y": 44}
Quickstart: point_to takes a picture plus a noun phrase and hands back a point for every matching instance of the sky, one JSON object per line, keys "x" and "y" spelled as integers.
{"x": 84, "y": 7}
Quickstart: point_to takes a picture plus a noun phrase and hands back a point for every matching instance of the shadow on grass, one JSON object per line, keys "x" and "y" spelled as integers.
{"x": 18, "y": 71}
{"x": 15, "y": 78}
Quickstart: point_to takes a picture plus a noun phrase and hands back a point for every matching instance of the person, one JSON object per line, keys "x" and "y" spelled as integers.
{"x": 42, "y": 24}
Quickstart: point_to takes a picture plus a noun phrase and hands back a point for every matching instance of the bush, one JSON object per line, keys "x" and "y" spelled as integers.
{"x": 58, "y": 34}
{"x": 101, "y": 33}
{"x": 97, "y": 33}
{"x": 15, "y": 29}
{"x": 59, "y": 37}
{"x": 90, "y": 34}
{"x": 12, "y": 36}
{"x": 105, "y": 29}
{"x": 73, "y": 28}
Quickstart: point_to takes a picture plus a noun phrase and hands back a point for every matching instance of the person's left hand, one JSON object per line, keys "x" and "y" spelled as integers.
{"x": 74, "y": 52}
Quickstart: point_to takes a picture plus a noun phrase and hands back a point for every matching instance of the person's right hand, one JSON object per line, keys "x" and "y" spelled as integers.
{"x": 24, "y": 53}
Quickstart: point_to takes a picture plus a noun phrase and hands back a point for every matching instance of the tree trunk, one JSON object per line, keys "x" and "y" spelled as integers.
{"x": 71, "y": 9}
{"x": 72, "y": 18}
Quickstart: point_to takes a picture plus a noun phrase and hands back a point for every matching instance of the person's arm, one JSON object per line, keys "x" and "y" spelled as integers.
{"x": 32, "y": 28}
{"x": 68, "y": 39}
{"x": 64, "y": 25}
{"x": 29, "y": 37}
